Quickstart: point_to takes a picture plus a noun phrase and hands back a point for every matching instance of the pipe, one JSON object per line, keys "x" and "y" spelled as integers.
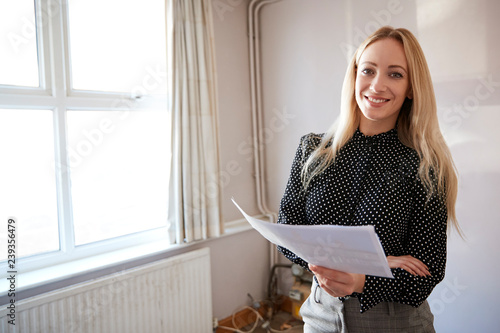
{"x": 269, "y": 283}
{"x": 257, "y": 114}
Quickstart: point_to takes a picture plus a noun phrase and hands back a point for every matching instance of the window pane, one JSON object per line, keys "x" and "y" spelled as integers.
{"x": 123, "y": 49}
{"x": 18, "y": 47}
{"x": 27, "y": 179}
{"x": 119, "y": 172}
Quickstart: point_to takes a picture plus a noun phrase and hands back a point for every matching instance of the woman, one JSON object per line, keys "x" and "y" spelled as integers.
{"x": 383, "y": 163}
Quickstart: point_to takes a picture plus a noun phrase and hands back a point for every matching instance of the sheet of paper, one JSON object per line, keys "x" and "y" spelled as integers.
{"x": 355, "y": 249}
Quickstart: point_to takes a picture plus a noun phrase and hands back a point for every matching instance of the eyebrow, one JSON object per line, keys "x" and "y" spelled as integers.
{"x": 391, "y": 66}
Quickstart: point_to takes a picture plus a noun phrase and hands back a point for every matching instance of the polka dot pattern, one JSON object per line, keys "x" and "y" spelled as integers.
{"x": 374, "y": 181}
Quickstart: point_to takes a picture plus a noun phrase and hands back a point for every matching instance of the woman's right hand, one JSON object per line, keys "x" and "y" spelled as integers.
{"x": 409, "y": 264}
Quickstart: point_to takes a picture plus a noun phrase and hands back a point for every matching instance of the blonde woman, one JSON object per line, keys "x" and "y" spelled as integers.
{"x": 383, "y": 163}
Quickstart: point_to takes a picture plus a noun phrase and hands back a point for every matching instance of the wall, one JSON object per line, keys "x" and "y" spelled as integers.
{"x": 235, "y": 119}
{"x": 241, "y": 262}
{"x": 305, "y": 47}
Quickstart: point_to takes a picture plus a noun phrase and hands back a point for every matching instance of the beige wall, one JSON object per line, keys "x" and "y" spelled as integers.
{"x": 240, "y": 263}
{"x": 304, "y": 59}
{"x": 235, "y": 122}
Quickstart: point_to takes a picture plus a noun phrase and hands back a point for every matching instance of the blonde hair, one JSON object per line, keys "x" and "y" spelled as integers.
{"x": 417, "y": 124}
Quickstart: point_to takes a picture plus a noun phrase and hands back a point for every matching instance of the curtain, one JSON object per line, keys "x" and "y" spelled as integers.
{"x": 194, "y": 191}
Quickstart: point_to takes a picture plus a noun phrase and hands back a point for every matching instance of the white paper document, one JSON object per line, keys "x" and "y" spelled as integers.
{"x": 352, "y": 249}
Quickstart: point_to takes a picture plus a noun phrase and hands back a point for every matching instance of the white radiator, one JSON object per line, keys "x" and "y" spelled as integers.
{"x": 171, "y": 296}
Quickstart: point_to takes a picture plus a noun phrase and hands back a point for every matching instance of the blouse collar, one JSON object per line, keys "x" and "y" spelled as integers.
{"x": 382, "y": 137}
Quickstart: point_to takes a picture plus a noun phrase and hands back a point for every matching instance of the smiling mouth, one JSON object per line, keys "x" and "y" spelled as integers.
{"x": 376, "y": 100}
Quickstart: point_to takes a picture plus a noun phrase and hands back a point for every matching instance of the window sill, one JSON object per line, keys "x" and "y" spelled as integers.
{"x": 44, "y": 276}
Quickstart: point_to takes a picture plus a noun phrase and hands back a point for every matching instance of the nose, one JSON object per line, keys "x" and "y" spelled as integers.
{"x": 378, "y": 84}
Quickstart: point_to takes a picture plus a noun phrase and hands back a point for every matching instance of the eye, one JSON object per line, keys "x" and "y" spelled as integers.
{"x": 396, "y": 75}
{"x": 367, "y": 71}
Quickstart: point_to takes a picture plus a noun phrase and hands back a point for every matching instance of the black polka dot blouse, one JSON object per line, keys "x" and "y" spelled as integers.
{"x": 374, "y": 181}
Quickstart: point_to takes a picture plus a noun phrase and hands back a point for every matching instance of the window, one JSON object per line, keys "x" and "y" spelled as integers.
{"x": 19, "y": 56}
{"x": 83, "y": 125}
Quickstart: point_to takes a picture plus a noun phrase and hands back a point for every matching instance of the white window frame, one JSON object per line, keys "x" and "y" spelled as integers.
{"x": 55, "y": 94}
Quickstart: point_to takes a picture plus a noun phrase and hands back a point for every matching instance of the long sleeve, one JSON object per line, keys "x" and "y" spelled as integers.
{"x": 293, "y": 203}
{"x": 426, "y": 242}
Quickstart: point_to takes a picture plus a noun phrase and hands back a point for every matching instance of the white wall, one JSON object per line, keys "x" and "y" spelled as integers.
{"x": 235, "y": 119}
{"x": 240, "y": 263}
{"x": 304, "y": 47}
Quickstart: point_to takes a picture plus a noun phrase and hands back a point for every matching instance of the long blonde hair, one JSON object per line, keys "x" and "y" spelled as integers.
{"x": 417, "y": 124}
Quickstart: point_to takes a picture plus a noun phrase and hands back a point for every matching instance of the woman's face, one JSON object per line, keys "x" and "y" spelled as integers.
{"x": 381, "y": 85}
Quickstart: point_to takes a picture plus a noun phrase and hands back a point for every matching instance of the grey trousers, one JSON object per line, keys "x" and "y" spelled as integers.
{"x": 323, "y": 313}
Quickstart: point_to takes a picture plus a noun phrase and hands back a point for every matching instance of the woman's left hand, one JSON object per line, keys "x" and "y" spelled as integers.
{"x": 337, "y": 283}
